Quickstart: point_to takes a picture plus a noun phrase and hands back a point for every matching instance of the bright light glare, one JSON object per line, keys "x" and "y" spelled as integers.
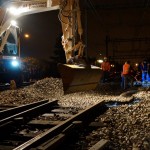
{"x": 136, "y": 64}
{"x": 16, "y": 11}
{"x": 15, "y": 63}
{"x": 26, "y": 36}
{"x": 14, "y": 58}
{"x": 13, "y": 23}
{"x": 112, "y": 65}
{"x": 99, "y": 60}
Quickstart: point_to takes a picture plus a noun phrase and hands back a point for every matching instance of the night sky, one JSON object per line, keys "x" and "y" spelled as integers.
{"x": 43, "y": 29}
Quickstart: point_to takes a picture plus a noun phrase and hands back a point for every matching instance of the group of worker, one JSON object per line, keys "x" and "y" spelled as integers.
{"x": 127, "y": 73}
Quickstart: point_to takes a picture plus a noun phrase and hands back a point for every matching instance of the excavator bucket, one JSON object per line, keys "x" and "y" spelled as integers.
{"x": 77, "y": 78}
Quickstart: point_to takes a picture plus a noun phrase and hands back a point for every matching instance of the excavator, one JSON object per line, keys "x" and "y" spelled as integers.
{"x": 77, "y": 74}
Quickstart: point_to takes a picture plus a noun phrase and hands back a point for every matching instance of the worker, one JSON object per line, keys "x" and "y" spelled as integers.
{"x": 106, "y": 69}
{"x": 144, "y": 69}
{"x": 126, "y": 75}
{"x": 122, "y": 80}
{"x": 13, "y": 85}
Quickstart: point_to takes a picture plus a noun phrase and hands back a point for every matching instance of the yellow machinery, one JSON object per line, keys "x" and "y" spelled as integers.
{"x": 75, "y": 76}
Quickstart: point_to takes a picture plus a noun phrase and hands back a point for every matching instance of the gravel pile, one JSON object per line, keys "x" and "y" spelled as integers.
{"x": 127, "y": 126}
{"x": 48, "y": 88}
{"x": 52, "y": 88}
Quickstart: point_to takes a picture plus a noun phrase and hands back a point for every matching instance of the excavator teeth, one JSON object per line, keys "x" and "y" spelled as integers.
{"x": 77, "y": 78}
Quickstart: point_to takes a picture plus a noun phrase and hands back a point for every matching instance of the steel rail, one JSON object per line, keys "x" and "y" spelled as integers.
{"x": 12, "y": 111}
{"x": 29, "y": 112}
{"x": 84, "y": 116}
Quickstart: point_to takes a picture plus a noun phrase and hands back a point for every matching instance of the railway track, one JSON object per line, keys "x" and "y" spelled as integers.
{"x": 45, "y": 125}
{"x": 42, "y": 125}
{"x": 21, "y": 124}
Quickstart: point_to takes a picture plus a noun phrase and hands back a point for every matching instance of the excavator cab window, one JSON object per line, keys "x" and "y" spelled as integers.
{"x": 10, "y": 48}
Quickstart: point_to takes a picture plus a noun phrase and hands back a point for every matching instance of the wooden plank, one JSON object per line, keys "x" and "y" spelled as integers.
{"x": 48, "y": 115}
{"x": 44, "y": 122}
{"x": 59, "y": 110}
{"x": 100, "y": 145}
{"x": 65, "y": 115}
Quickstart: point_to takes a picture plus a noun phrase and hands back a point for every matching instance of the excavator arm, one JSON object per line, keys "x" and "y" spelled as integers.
{"x": 69, "y": 16}
{"x": 74, "y": 77}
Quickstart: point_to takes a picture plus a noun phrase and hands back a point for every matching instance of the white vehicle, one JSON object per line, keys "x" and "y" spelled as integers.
{"x": 75, "y": 77}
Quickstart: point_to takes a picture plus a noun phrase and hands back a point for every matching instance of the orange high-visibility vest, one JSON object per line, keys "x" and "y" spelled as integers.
{"x": 126, "y": 69}
{"x": 105, "y": 66}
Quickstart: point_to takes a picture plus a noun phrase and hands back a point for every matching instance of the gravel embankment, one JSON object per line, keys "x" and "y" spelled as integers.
{"x": 127, "y": 126}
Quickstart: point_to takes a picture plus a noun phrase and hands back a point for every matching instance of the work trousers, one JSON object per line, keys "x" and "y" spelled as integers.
{"x": 145, "y": 76}
{"x": 127, "y": 80}
{"x": 105, "y": 76}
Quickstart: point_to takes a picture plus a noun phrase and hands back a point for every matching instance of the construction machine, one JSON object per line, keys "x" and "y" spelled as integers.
{"x": 10, "y": 68}
{"x": 77, "y": 74}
